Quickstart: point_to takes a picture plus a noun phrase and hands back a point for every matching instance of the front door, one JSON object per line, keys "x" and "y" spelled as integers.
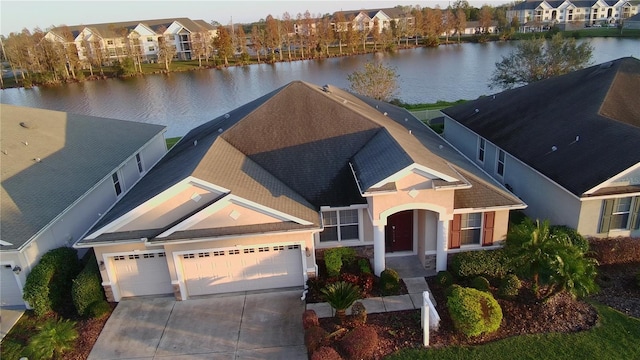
{"x": 399, "y": 232}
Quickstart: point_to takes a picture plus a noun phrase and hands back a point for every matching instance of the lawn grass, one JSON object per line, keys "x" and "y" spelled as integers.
{"x": 616, "y": 336}
{"x": 172, "y": 141}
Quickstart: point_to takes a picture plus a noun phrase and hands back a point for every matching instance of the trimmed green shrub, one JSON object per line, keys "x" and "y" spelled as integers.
{"x": 335, "y": 257}
{"x": 444, "y": 278}
{"x": 326, "y": 353}
{"x": 364, "y": 266}
{"x": 98, "y": 309}
{"x": 449, "y": 290}
{"x": 474, "y": 312}
{"x": 509, "y": 286}
{"x": 389, "y": 282}
{"x": 491, "y": 263}
{"x": 309, "y": 319}
{"x": 573, "y": 235}
{"x": 87, "y": 287}
{"x": 359, "y": 343}
{"x": 48, "y": 285}
{"x": 480, "y": 283}
{"x": 314, "y": 337}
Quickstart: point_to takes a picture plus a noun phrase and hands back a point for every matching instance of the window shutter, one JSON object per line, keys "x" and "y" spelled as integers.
{"x": 635, "y": 214}
{"x": 487, "y": 229}
{"x": 454, "y": 231}
{"x": 607, "y": 210}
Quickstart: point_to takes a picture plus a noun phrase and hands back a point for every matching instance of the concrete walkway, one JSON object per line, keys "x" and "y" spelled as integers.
{"x": 9, "y": 316}
{"x": 410, "y": 301}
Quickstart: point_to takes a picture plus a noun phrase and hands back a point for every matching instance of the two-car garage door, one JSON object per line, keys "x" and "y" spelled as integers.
{"x": 210, "y": 271}
{"x": 229, "y": 270}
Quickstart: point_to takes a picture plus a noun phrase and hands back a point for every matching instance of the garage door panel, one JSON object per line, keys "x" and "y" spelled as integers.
{"x": 142, "y": 274}
{"x": 10, "y": 294}
{"x": 256, "y": 268}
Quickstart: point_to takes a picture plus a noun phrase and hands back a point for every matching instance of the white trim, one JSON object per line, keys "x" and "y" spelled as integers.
{"x": 612, "y": 179}
{"x": 410, "y": 168}
{"x": 612, "y": 196}
{"x": 225, "y": 237}
{"x": 442, "y": 212}
{"x": 487, "y": 209}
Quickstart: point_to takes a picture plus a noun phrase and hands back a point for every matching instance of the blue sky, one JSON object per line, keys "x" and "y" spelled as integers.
{"x": 16, "y": 15}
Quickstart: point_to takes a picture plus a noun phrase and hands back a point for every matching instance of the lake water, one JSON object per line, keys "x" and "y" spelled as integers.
{"x": 182, "y": 101}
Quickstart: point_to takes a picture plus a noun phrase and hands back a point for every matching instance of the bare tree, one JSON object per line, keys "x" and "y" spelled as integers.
{"x": 376, "y": 33}
{"x": 340, "y": 28}
{"x": 325, "y": 34}
{"x": 257, "y": 38}
{"x": 460, "y": 22}
{"x": 418, "y": 22}
{"x": 166, "y": 51}
{"x": 223, "y": 43}
{"x": 486, "y": 17}
{"x": 287, "y": 29}
{"x": 352, "y": 35}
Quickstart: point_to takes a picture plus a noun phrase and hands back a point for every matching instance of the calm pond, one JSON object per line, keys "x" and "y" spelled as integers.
{"x": 182, "y": 101}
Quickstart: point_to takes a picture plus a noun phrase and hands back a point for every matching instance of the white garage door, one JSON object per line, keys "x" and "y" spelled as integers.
{"x": 230, "y": 270}
{"x": 10, "y": 294}
{"x": 142, "y": 274}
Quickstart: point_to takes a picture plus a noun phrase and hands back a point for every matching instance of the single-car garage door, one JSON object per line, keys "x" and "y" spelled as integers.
{"x": 142, "y": 274}
{"x": 10, "y": 294}
{"x": 229, "y": 270}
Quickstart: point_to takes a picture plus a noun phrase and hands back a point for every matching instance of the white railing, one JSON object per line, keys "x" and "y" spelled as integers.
{"x": 429, "y": 317}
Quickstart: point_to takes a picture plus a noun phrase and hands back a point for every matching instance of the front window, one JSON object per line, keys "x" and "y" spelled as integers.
{"x": 620, "y": 215}
{"x": 500, "y": 164}
{"x": 340, "y": 225}
{"x": 116, "y": 184}
{"x": 149, "y": 39}
{"x": 470, "y": 229}
{"x": 481, "y": 147}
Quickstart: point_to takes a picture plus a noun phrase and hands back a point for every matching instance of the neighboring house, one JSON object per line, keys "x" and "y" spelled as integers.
{"x": 245, "y": 201}
{"x": 632, "y": 22}
{"x": 535, "y": 14}
{"x": 60, "y": 173}
{"x": 112, "y": 41}
{"x": 363, "y": 20}
{"x": 474, "y": 28}
{"x": 568, "y": 146}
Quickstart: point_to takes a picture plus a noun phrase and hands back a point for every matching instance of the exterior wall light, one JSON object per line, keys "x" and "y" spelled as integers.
{"x": 101, "y": 265}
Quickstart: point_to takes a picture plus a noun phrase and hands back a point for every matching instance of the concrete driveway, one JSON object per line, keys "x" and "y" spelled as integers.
{"x": 247, "y": 326}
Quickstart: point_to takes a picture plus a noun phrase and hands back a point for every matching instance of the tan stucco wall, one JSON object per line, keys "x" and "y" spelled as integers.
{"x": 174, "y": 207}
{"x": 222, "y": 218}
{"x": 426, "y": 198}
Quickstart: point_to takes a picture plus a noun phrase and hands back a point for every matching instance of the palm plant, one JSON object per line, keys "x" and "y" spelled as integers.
{"x": 550, "y": 256}
{"x": 340, "y": 295}
{"x": 54, "y": 338}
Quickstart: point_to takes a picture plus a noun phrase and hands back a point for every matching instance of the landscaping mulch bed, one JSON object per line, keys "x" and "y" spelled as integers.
{"x": 524, "y": 315}
{"x": 618, "y": 288}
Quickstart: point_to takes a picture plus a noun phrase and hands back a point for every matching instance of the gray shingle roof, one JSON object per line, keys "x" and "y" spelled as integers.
{"x": 590, "y": 116}
{"x": 75, "y": 152}
{"x": 291, "y": 150}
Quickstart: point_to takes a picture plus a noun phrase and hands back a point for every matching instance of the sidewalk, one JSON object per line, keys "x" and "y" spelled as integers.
{"x": 410, "y": 301}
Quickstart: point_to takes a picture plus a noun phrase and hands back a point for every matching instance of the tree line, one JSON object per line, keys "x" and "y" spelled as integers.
{"x": 36, "y": 59}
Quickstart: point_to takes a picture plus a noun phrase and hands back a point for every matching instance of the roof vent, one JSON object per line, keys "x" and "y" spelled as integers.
{"x": 606, "y": 65}
{"x": 405, "y": 119}
{"x": 410, "y": 131}
{"x": 26, "y": 143}
{"x": 195, "y": 142}
{"x": 27, "y": 125}
{"x": 440, "y": 147}
{"x": 5, "y": 152}
{"x": 385, "y": 113}
{"x": 577, "y": 138}
{"x": 554, "y": 148}
{"x": 477, "y": 111}
{"x": 226, "y": 116}
{"x": 37, "y": 160}
{"x": 220, "y": 130}
{"x": 325, "y": 88}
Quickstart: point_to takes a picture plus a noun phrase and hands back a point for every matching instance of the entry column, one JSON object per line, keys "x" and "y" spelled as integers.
{"x": 378, "y": 249}
{"x": 442, "y": 245}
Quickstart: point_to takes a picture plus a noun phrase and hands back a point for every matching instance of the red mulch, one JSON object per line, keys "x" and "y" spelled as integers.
{"x": 523, "y": 315}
